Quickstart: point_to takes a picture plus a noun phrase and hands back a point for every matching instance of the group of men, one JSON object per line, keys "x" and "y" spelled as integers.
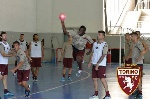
{"x": 75, "y": 49}
{"x": 31, "y": 55}
{"x": 27, "y": 56}
{"x": 135, "y": 49}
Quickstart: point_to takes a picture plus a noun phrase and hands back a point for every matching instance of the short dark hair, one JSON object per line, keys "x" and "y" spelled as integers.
{"x": 127, "y": 34}
{"x": 16, "y": 42}
{"x": 134, "y": 33}
{"x": 3, "y": 33}
{"x": 21, "y": 34}
{"x": 35, "y": 34}
{"x": 101, "y": 31}
{"x": 137, "y": 31}
{"x": 83, "y": 27}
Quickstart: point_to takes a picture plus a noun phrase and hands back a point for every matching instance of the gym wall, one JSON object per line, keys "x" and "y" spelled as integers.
{"x": 18, "y": 15}
{"x": 78, "y": 12}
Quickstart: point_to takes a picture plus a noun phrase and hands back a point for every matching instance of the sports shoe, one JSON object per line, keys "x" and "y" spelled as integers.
{"x": 8, "y": 93}
{"x": 14, "y": 74}
{"x": 35, "y": 79}
{"x": 62, "y": 79}
{"x": 107, "y": 97}
{"x": 94, "y": 97}
{"x": 78, "y": 74}
{"x": 28, "y": 86}
{"x": 27, "y": 93}
{"x": 138, "y": 96}
{"x": 69, "y": 79}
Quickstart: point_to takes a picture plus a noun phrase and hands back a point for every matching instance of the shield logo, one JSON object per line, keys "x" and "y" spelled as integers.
{"x": 128, "y": 79}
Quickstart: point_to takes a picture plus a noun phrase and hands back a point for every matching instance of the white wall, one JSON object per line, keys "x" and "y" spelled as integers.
{"x": 18, "y": 15}
{"x": 44, "y": 16}
{"x": 79, "y": 12}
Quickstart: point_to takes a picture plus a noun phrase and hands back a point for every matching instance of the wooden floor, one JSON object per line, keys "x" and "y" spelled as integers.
{"x": 50, "y": 87}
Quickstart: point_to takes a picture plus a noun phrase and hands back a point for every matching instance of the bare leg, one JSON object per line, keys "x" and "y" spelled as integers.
{"x": 70, "y": 71}
{"x": 95, "y": 84}
{"x": 5, "y": 81}
{"x": 33, "y": 71}
{"x": 25, "y": 85}
{"x": 64, "y": 71}
{"x": 79, "y": 61}
{"x": 104, "y": 84}
{"x": 37, "y": 71}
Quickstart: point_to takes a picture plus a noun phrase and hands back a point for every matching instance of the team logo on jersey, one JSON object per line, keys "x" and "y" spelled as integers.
{"x": 128, "y": 79}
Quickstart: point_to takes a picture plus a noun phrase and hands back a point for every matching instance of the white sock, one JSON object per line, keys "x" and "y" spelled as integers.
{"x": 79, "y": 71}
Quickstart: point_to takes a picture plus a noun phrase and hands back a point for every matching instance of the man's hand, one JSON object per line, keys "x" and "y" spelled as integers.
{"x": 89, "y": 65}
{"x": 96, "y": 68}
{"x": 138, "y": 59}
{"x": 12, "y": 70}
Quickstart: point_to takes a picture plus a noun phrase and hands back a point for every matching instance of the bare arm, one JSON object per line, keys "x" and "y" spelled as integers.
{"x": 89, "y": 64}
{"x": 42, "y": 48}
{"x": 6, "y": 55}
{"x": 145, "y": 46}
{"x": 101, "y": 59}
{"x": 64, "y": 28}
{"x": 90, "y": 50}
{"x": 17, "y": 67}
{"x": 29, "y": 50}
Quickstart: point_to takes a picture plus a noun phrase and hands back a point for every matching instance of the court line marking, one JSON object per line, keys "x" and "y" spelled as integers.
{"x": 56, "y": 86}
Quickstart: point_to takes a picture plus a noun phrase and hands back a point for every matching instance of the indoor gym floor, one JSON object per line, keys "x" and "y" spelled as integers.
{"x": 50, "y": 87}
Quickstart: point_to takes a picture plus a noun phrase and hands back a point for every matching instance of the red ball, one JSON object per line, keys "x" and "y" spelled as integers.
{"x": 62, "y": 16}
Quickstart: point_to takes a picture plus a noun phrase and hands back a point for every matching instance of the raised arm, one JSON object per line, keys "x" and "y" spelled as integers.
{"x": 64, "y": 28}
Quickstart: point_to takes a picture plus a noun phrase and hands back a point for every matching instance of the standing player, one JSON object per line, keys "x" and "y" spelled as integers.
{"x": 128, "y": 49}
{"x": 137, "y": 58}
{"x": 144, "y": 45}
{"x": 4, "y": 54}
{"x": 79, "y": 41}
{"x": 67, "y": 61}
{"x": 23, "y": 43}
{"x": 98, "y": 60}
{"x": 23, "y": 68}
{"x": 36, "y": 51}
{"x": 24, "y": 47}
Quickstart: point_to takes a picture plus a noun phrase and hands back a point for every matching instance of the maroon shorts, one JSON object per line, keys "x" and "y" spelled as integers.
{"x": 78, "y": 53}
{"x": 23, "y": 75}
{"x": 100, "y": 73}
{"x": 36, "y": 62}
{"x": 67, "y": 62}
{"x": 3, "y": 69}
{"x": 128, "y": 62}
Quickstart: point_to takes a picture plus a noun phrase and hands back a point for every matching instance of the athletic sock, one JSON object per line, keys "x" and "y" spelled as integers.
{"x": 69, "y": 75}
{"x": 63, "y": 75}
{"x": 96, "y": 93}
{"x": 5, "y": 91}
{"x": 107, "y": 93}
